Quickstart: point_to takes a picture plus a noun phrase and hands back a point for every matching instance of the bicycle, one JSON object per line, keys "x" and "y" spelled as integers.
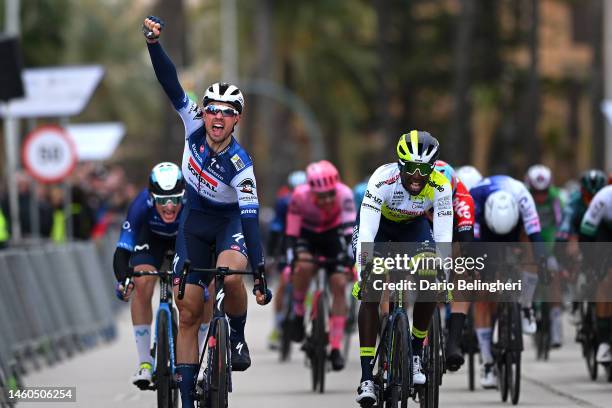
{"x": 315, "y": 344}
{"x": 287, "y": 313}
{"x": 163, "y": 350}
{"x": 469, "y": 346}
{"x": 213, "y": 390}
{"x": 433, "y": 361}
{"x": 542, "y": 335}
{"x": 507, "y": 350}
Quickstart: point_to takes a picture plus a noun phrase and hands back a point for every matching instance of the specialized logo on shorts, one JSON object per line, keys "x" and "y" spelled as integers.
{"x": 176, "y": 281}
{"x": 141, "y": 247}
{"x": 175, "y": 262}
{"x": 247, "y": 186}
{"x": 237, "y": 162}
{"x": 238, "y": 236}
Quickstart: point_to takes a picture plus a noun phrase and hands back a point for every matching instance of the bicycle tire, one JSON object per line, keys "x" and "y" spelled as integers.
{"x": 503, "y": 328}
{"x": 218, "y": 379}
{"x": 542, "y": 335}
{"x": 589, "y": 342}
{"x": 175, "y": 390}
{"x": 400, "y": 364}
{"x": 433, "y": 361}
{"x": 319, "y": 341}
{"x": 163, "y": 378}
{"x": 471, "y": 371}
{"x": 285, "y": 337}
{"x": 513, "y": 365}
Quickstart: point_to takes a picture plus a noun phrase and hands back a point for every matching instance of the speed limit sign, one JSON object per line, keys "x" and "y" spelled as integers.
{"x": 48, "y": 154}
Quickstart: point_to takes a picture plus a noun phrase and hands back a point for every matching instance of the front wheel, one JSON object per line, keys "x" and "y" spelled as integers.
{"x": 401, "y": 362}
{"x": 218, "y": 386}
{"x": 513, "y": 368}
{"x": 163, "y": 371}
{"x": 318, "y": 343}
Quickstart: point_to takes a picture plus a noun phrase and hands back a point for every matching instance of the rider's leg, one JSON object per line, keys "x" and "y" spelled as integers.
{"x": 368, "y": 322}
{"x": 302, "y": 274}
{"x": 190, "y": 315}
{"x": 142, "y": 313}
{"x": 454, "y": 356}
{"x": 337, "y": 319}
{"x": 204, "y": 324}
{"x": 484, "y": 331}
{"x": 421, "y": 316}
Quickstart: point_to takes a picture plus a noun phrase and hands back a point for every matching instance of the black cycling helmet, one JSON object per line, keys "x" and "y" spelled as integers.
{"x": 593, "y": 180}
{"x": 166, "y": 179}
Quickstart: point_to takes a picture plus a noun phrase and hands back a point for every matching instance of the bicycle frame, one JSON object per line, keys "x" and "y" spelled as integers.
{"x": 165, "y": 302}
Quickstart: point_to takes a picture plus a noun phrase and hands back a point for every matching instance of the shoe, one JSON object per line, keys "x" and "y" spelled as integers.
{"x": 337, "y": 361}
{"x": 297, "y": 329}
{"x": 274, "y": 340}
{"x": 366, "y": 394}
{"x": 603, "y": 353}
{"x": 528, "y": 321}
{"x": 418, "y": 378}
{"x": 488, "y": 376}
{"x": 454, "y": 357}
{"x": 143, "y": 377}
{"x": 241, "y": 359}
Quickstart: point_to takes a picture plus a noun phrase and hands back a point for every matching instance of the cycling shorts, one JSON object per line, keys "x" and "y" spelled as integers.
{"x": 198, "y": 232}
{"x": 151, "y": 248}
{"x": 327, "y": 244}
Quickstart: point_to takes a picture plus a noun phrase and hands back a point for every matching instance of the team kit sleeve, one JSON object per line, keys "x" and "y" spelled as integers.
{"x": 443, "y": 217}
{"x": 246, "y": 190}
{"x": 593, "y": 216}
{"x": 135, "y": 219}
{"x": 167, "y": 76}
{"x": 349, "y": 213}
{"x": 369, "y": 219}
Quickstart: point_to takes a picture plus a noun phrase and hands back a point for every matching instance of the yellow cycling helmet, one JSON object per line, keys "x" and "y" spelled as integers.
{"x": 417, "y": 147}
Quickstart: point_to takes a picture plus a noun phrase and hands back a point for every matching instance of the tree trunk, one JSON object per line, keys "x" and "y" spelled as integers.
{"x": 459, "y": 139}
{"x": 532, "y": 101}
{"x": 596, "y": 84}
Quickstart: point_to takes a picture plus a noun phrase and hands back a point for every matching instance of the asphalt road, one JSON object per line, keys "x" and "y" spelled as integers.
{"x": 101, "y": 377}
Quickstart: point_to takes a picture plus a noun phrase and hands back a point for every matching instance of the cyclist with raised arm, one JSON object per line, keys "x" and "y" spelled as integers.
{"x": 548, "y": 203}
{"x": 147, "y": 233}
{"x": 222, "y": 211}
{"x": 504, "y": 207}
{"x": 277, "y": 247}
{"x": 320, "y": 223}
{"x": 394, "y": 209}
{"x": 596, "y": 226}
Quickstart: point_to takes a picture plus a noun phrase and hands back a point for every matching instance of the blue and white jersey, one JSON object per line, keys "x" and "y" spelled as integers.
{"x": 216, "y": 183}
{"x": 142, "y": 214}
{"x": 527, "y": 209}
{"x": 222, "y": 181}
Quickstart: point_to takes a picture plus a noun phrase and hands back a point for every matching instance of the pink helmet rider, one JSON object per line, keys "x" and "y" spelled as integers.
{"x": 322, "y": 176}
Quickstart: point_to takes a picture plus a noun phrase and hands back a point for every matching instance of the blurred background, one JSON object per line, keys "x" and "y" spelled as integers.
{"x": 502, "y": 84}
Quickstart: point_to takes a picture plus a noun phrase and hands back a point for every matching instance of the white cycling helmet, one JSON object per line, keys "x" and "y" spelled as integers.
{"x": 224, "y": 92}
{"x": 296, "y": 178}
{"x": 501, "y": 212}
{"x": 469, "y": 176}
{"x": 538, "y": 177}
{"x": 166, "y": 179}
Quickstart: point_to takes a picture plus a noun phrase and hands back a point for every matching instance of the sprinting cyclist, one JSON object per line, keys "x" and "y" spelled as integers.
{"x": 148, "y": 232}
{"x": 222, "y": 211}
{"x": 277, "y": 248}
{"x": 504, "y": 207}
{"x": 463, "y": 208}
{"x": 320, "y": 223}
{"x": 394, "y": 209}
{"x": 548, "y": 203}
{"x": 596, "y": 226}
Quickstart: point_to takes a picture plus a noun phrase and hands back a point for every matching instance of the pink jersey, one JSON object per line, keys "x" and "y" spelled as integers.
{"x": 304, "y": 212}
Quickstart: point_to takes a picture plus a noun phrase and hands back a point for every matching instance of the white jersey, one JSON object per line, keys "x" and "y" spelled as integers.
{"x": 386, "y": 196}
{"x": 600, "y": 209}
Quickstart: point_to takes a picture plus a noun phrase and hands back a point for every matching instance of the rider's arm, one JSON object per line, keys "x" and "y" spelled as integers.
{"x": 369, "y": 220}
{"x": 566, "y": 227}
{"x": 593, "y": 217}
{"x": 347, "y": 217}
{"x": 530, "y": 218}
{"x": 443, "y": 217}
{"x": 166, "y": 75}
{"x": 134, "y": 220}
{"x": 246, "y": 190}
{"x": 293, "y": 224}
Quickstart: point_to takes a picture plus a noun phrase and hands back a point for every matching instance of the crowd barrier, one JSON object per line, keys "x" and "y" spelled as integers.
{"x": 55, "y": 301}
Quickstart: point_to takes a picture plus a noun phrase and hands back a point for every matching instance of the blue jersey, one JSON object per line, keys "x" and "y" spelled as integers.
{"x": 280, "y": 214}
{"x": 358, "y": 193}
{"x": 142, "y": 214}
{"x": 217, "y": 183}
{"x": 529, "y": 215}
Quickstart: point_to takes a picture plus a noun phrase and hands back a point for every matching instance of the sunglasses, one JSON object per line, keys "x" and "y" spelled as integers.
{"x": 164, "y": 200}
{"x": 226, "y": 111}
{"x": 325, "y": 196}
{"x": 410, "y": 168}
